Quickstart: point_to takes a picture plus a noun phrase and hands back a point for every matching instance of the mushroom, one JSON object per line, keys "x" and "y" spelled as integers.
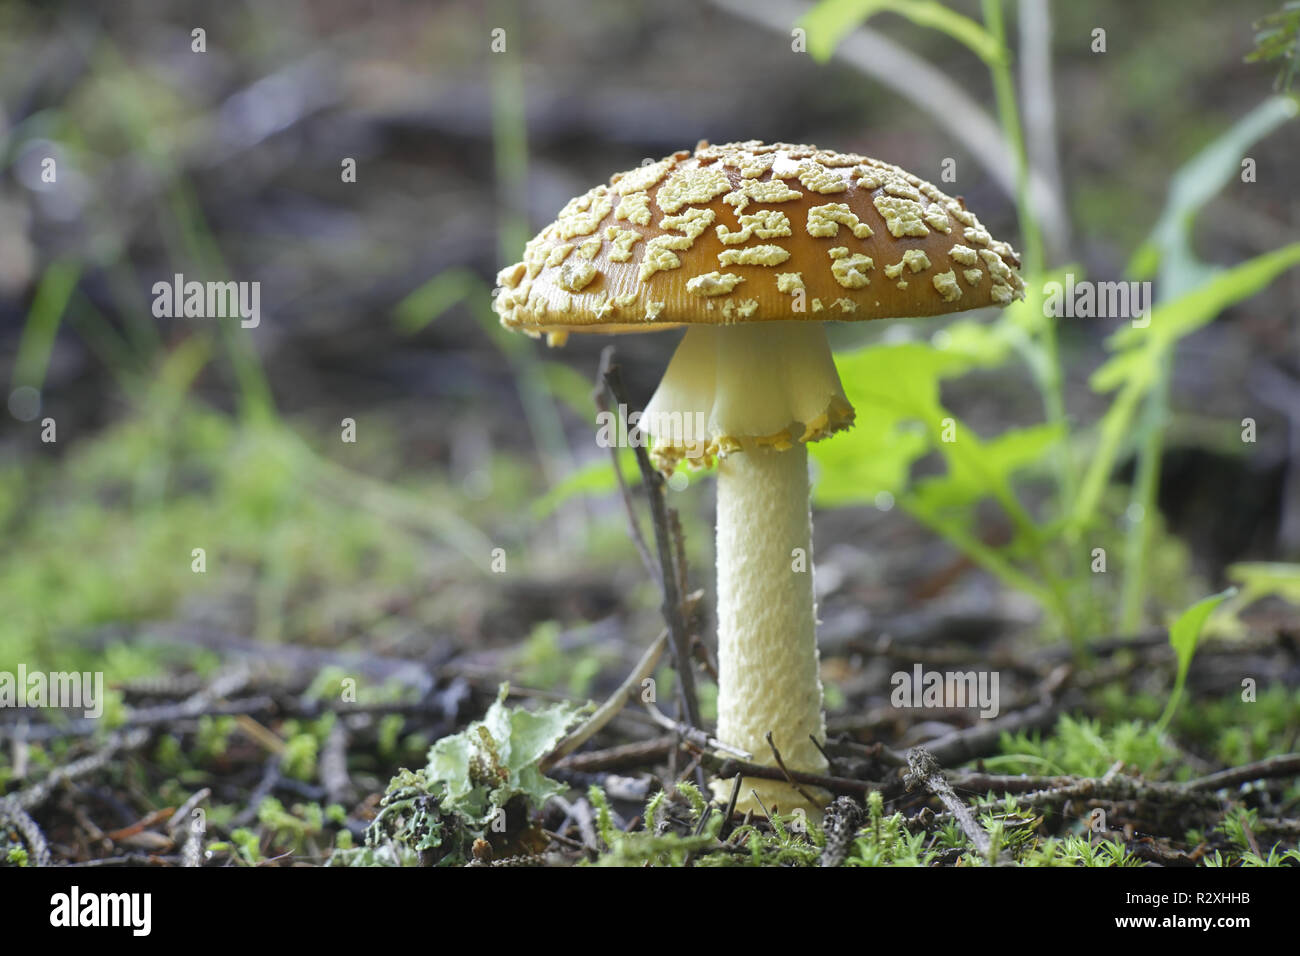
{"x": 752, "y": 247}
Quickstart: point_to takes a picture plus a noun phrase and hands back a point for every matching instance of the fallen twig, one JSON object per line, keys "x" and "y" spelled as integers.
{"x": 610, "y": 708}
{"x": 776, "y": 754}
{"x": 13, "y": 814}
{"x": 1286, "y": 765}
{"x": 925, "y": 772}
{"x": 694, "y": 735}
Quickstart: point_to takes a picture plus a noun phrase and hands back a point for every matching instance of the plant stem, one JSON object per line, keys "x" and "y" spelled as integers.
{"x": 1048, "y": 372}
{"x": 1142, "y": 504}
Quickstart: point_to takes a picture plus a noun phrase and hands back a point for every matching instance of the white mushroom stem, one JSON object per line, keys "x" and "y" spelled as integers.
{"x": 754, "y": 394}
{"x": 767, "y": 627}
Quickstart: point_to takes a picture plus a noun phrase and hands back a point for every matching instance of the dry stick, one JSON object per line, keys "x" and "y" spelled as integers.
{"x": 610, "y": 709}
{"x": 623, "y": 757}
{"x": 599, "y": 394}
{"x": 695, "y": 736}
{"x": 726, "y": 767}
{"x": 12, "y": 813}
{"x": 980, "y": 741}
{"x": 334, "y": 765}
{"x": 789, "y": 779}
{"x": 182, "y": 814}
{"x": 672, "y": 598}
{"x": 1286, "y": 765}
{"x": 731, "y": 806}
{"x": 1116, "y": 790}
{"x": 925, "y": 772}
{"x": 37, "y": 794}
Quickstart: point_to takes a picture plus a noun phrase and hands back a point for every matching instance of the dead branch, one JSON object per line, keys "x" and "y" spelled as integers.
{"x": 669, "y": 576}
{"x": 924, "y": 771}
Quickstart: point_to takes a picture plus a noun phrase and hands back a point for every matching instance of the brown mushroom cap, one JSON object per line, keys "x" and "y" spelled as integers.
{"x": 752, "y": 232}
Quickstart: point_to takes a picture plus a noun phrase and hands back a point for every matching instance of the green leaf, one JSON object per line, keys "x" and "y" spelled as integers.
{"x": 1196, "y": 183}
{"x": 998, "y": 459}
{"x": 569, "y": 387}
{"x": 831, "y": 20}
{"x": 42, "y": 326}
{"x": 1184, "y": 635}
{"x": 591, "y": 481}
{"x": 1180, "y": 317}
{"x": 1141, "y": 353}
{"x": 1261, "y": 579}
{"x": 890, "y": 387}
{"x": 895, "y": 390}
{"x": 430, "y": 300}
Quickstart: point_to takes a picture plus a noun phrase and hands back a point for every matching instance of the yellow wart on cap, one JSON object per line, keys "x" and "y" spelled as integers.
{"x": 692, "y": 186}
{"x": 963, "y": 255}
{"x": 768, "y": 224}
{"x": 753, "y": 256}
{"x": 643, "y": 177}
{"x": 946, "y": 285}
{"x": 789, "y": 282}
{"x": 826, "y": 220}
{"x": 902, "y": 216}
{"x": 916, "y": 260}
{"x": 713, "y": 283}
{"x": 767, "y": 191}
{"x": 817, "y": 178}
{"x": 577, "y": 274}
{"x": 850, "y": 271}
{"x": 634, "y": 207}
{"x": 582, "y": 215}
{"x": 623, "y": 240}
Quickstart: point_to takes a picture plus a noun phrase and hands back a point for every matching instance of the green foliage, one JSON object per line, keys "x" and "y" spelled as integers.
{"x": 303, "y": 828}
{"x": 1168, "y": 249}
{"x": 896, "y": 391}
{"x": 1074, "y": 850}
{"x": 593, "y": 480}
{"x": 831, "y": 20}
{"x": 1184, "y": 635}
{"x": 886, "y": 841}
{"x": 1079, "y": 746}
{"x": 1278, "y": 38}
{"x": 42, "y": 324}
{"x": 1241, "y": 825}
{"x": 540, "y": 662}
{"x": 1258, "y": 580}
{"x": 463, "y": 793}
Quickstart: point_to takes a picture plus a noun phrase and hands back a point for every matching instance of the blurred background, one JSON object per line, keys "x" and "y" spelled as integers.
{"x": 177, "y": 434}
